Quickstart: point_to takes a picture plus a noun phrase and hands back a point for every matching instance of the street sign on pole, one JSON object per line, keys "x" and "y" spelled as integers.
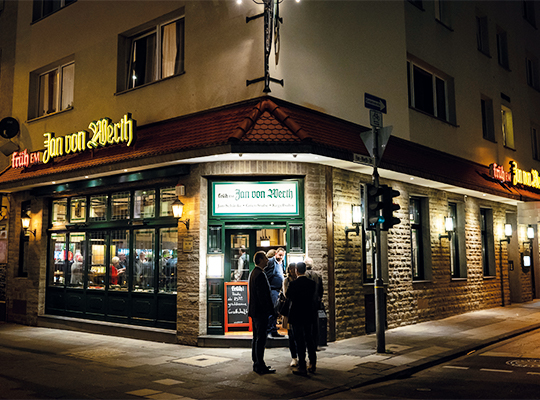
{"x": 375, "y": 118}
{"x": 369, "y": 142}
{"x": 374, "y": 103}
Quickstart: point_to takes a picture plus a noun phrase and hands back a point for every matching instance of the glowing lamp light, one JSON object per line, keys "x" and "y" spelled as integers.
{"x": 508, "y": 230}
{"x": 530, "y": 232}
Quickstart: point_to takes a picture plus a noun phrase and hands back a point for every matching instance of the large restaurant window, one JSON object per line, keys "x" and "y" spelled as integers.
{"x": 120, "y": 244}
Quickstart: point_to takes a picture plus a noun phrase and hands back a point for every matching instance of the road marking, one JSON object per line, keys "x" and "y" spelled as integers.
{"x": 496, "y": 370}
{"x": 533, "y": 373}
{"x": 455, "y": 367}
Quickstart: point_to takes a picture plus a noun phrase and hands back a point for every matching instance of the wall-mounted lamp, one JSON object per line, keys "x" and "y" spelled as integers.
{"x": 25, "y": 220}
{"x": 448, "y": 227}
{"x": 507, "y": 233}
{"x": 530, "y": 236}
{"x": 178, "y": 209}
{"x": 356, "y": 220}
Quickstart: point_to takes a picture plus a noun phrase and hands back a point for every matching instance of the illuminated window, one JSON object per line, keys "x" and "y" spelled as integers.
{"x": 155, "y": 54}
{"x": 507, "y": 127}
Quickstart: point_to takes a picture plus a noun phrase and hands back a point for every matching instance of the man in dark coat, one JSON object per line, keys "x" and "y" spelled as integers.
{"x": 274, "y": 272}
{"x": 301, "y": 293}
{"x": 259, "y": 309}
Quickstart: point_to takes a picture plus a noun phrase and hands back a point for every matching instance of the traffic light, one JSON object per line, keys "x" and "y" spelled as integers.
{"x": 372, "y": 206}
{"x": 389, "y": 207}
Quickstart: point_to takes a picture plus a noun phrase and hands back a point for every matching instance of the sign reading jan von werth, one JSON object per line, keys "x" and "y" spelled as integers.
{"x": 252, "y": 198}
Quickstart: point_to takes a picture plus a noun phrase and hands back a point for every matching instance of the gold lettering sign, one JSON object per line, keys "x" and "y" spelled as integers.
{"x": 525, "y": 178}
{"x": 104, "y": 132}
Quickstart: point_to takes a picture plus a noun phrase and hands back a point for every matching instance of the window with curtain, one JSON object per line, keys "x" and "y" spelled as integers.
{"x": 156, "y": 54}
{"x": 507, "y": 127}
{"x": 54, "y": 90}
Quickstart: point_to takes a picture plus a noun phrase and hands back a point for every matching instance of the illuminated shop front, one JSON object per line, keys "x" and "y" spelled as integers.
{"x": 113, "y": 256}
{"x": 246, "y": 217}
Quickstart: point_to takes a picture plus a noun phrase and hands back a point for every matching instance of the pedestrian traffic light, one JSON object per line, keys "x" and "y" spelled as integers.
{"x": 389, "y": 207}
{"x": 372, "y": 206}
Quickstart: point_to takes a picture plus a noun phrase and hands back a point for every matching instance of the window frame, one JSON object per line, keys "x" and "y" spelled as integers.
{"x": 535, "y": 141}
{"x": 436, "y": 77}
{"x": 443, "y": 13}
{"x": 422, "y": 228}
{"x": 458, "y": 258}
{"x": 531, "y": 71}
{"x": 128, "y": 40}
{"x": 502, "y": 48}
{"x": 38, "y": 8}
{"x": 487, "y": 236}
{"x": 529, "y": 12}
{"x": 35, "y": 100}
{"x": 488, "y": 127}
{"x": 507, "y": 127}
{"x": 482, "y": 34}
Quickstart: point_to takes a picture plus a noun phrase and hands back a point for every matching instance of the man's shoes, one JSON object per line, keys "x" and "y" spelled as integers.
{"x": 294, "y": 362}
{"x": 265, "y": 370}
{"x": 276, "y": 334}
{"x": 312, "y": 368}
{"x": 301, "y": 372}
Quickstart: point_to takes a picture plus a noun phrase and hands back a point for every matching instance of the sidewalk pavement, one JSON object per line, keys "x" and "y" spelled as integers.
{"x": 102, "y": 366}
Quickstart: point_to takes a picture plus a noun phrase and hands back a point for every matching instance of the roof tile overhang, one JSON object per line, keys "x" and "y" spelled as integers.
{"x": 264, "y": 125}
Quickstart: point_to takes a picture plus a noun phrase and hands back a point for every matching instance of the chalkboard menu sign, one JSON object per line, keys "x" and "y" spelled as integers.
{"x": 236, "y": 305}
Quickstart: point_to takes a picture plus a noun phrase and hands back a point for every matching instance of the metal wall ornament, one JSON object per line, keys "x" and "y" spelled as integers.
{"x": 272, "y": 22}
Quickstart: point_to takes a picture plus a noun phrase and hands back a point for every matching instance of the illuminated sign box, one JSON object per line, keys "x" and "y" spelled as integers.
{"x": 255, "y": 198}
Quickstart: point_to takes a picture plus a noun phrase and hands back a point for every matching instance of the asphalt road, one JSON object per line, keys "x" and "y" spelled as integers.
{"x": 506, "y": 370}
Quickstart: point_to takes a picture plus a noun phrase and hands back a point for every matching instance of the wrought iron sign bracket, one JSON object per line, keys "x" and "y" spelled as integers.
{"x": 271, "y": 23}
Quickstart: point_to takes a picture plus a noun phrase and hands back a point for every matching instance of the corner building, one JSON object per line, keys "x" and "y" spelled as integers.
{"x": 128, "y": 107}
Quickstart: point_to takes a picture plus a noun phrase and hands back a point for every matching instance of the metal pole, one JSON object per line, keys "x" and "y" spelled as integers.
{"x": 379, "y": 285}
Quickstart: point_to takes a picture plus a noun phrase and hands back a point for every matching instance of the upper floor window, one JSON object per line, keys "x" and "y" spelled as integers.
{"x": 531, "y": 70}
{"x": 507, "y": 127}
{"x": 42, "y": 8}
{"x": 417, "y": 3}
{"x": 502, "y": 48}
{"x": 528, "y": 12}
{"x": 486, "y": 105}
{"x": 429, "y": 91}
{"x": 535, "y": 141}
{"x": 442, "y": 12}
{"x": 53, "y": 90}
{"x": 153, "y": 54}
{"x": 482, "y": 34}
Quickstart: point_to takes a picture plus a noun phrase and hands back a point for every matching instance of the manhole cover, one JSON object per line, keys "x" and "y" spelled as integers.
{"x": 525, "y": 363}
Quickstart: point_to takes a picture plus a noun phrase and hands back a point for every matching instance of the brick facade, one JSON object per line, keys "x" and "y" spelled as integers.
{"x": 329, "y": 194}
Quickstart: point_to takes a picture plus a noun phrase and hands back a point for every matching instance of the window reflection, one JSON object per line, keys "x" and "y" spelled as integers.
{"x": 76, "y": 260}
{"x": 144, "y": 262}
{"x": 97, "y": 269}
{"x": 168, "y": 259}
{"x": 119, "y": 260}
{"x": 145, "y": 201}
{"x": 57, "y": 264}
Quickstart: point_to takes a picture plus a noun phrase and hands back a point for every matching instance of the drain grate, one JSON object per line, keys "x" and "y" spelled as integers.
{"x": 525, "y": 363}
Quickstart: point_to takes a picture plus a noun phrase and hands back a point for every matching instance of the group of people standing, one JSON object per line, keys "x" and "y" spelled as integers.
{"x": 303, "y": 290}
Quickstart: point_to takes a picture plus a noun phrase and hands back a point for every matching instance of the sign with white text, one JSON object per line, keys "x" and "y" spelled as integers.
{"x": 255, "y": 198}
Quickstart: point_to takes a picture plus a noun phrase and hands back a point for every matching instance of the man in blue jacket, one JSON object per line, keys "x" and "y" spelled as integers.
{"x": 274, "y": 272}
{"x": 259, "y": 308}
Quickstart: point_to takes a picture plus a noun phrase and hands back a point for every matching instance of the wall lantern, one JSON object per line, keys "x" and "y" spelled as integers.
{"x": 356, "y": 220}
{"x": 178, "y": 209}
{"x": 507, "y": 233}
{"x": 25, "y": 220}
{"x": 448, "y": 227}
